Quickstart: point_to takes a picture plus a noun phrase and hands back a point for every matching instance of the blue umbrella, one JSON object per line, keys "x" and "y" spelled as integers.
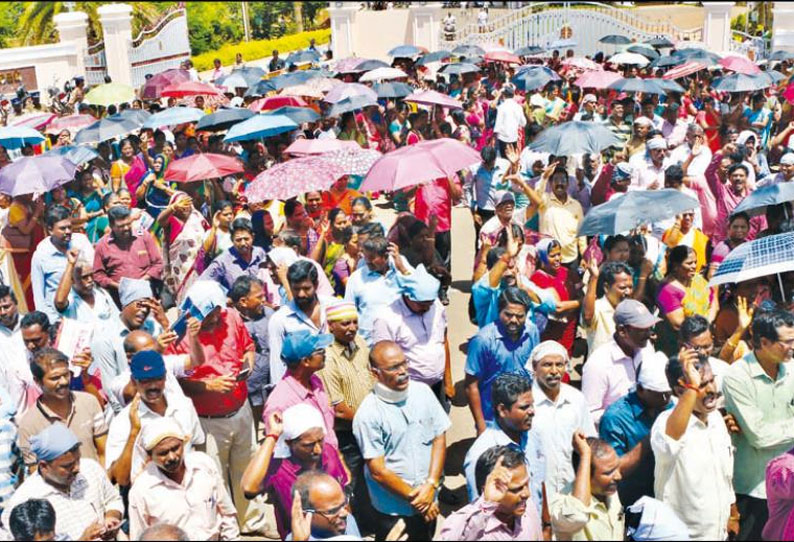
{"x": 261, "y": 88}
{"x": 435, "y": 56}
{"x": 107, "y": 128}
{"x": 405, "y": 51}
{"x": 369, "y": 65}
{"x": 299, "y": 115}
{"x": 292, "y": 78}
{"x": 468, "y": 50}
{"x": 615, "y": 39}
{"x": 758, "y": 200}
{"x": 774, "y": 76}
{"x": 660, "y": 42}
{"x": 15, "y": 137}
{"x": 223, "y": 119}
{"x": 575, "y": 137}
{"x": 667, "y": 61}
{"x": 459, "y": 68}
{"x": 635, "y": 208}
{"x": 35, "y": 175}
{"x": 300, "y": 57}
{"x": 534, "y": 77}
{"x": 76, "y": 155}
{"x": 739, "y": 82}
{"x": 562, "y": 44}
{"x": 260, "y": 126}
{"x": 392, "y": 90}
{"x": 700, "y": 55}
{"x": 647, "y": 52}
{"x": 351, "y": 103}
{"x": 779, "y": 56}
{"x": 529, "y": 50}
{"x": 241, "y": 78}
{"x": 669, "y": 85}
{"x": 173, "y": 116}
{"x": 136, "y": 115}
{"x": 635, "y": 84}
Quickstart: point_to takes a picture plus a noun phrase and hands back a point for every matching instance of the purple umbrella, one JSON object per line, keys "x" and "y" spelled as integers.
{"x": 349, "y": 90}
{"x": 35, "y": 175}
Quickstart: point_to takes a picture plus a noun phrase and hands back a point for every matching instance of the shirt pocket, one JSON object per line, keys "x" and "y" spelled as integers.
{"x": 426, "y": 433}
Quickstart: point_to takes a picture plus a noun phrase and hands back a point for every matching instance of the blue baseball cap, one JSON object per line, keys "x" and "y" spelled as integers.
{"x": 301, "y": 344}
{"x": 147, "y": 365}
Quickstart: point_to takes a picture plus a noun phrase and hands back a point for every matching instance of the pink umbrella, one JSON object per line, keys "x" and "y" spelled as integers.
{"x": 596, "y": 79}
{"x": 352, "y": 161}
{"x": 319, "y": 146}
{"x": 73, "y": 123}
{"x": 432, "y": 97}
{"x": 153, "y": 87}
{"x": 684, "y": 69}
{"x": 502, "y": 56}
{"x": 349, "y": 90}
{"x": 190, "y": 88}
{"x": 274, "y": 102}
{"x": 420, "y": 163}
{"x": 37, "y": 121}
{"x": 294, "y": 177}
{"x": 349, "y": 64}
{"x": 202, "y": 166}
{"x": 582, "y": 63}
{"x": 740, "y": 64}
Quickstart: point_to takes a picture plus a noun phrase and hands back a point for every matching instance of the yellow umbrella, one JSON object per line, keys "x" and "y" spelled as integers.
{"x": 109, "y": 94}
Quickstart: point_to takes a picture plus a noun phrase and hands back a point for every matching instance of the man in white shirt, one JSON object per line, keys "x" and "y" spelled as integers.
{"x": 588, "y": 111}
{"x": 681, "y": 154}
{"x": 560, "y": 411}
{"x": 694, "y": 452}
{"x": 510, "y": 119}
{"x": 648, "y": 171}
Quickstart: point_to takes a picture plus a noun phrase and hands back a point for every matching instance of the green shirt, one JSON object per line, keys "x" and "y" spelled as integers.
{"x": 764, "y": 410}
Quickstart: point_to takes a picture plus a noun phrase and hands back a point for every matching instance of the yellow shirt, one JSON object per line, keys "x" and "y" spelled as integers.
{"x": 572, "y": 520}
{"x": 561, "y": 221}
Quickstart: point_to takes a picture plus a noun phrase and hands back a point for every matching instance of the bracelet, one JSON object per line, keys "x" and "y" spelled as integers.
{"x": 269, "y": 435}
{"x": 691, "y": 387}
{"x": 433, "y": 483}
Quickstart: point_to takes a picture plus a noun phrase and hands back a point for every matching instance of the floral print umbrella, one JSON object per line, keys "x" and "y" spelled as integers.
{"x": 293, "y": 177}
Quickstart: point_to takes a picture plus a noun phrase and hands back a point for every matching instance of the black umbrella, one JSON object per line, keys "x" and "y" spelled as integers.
{"x": 369, "y": 65}
{"x": 392, "y": 90}
{"x": 667, "y": 61}
{"x": 739, "y": 82}
{"x": 615, "y": 39}
{"x": 471, "y": 50}
{"x": 436, "y": 56}
{"x": 529, "y": 50}
{"x": 660, "y": 42}
{"x": 647, "y": 52}
{"x": 223, "y": 119}
{"x": 534, "y": 77}
{"x": 699, "y": 55}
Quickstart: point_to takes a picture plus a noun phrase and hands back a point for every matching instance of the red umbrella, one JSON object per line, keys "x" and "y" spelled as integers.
{"x": 199, "y": 167}
{"x": 190, "y": 88}
{"x": 37, "y": 121}
{"x": 740, "y": 64}
{"x": 274, "y": 102}
{"x": 684, "y": 69}
{"x": 153, "y": 87}
{"x": 502, "y": 56}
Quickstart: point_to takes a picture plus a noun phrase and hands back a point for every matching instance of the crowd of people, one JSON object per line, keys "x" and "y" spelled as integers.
{"x": 177, "y": 357}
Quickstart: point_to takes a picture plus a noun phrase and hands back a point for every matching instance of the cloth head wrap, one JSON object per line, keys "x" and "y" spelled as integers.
{"x": 548, "y": 348}
{"x": 339, "y": 311}
{"x": 131, "y": 290}
{"x": 159, "y": 429}
{"x": 296, "y": 420}
{"x": 205, "y": 295}
{"x": 53, "y": 442}
{"x": 419, "y": 285}
{"x": 543, "y": 247}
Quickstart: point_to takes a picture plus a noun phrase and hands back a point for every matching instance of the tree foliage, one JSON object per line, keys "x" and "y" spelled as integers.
{"x": 213, "y": 24}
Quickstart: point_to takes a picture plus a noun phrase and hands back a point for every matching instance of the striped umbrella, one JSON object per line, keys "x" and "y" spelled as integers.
{"x": 71, "y": 123}
{"x": 37, "y": 121}
{"x": 685, "y": 69}
{"x": 762, "y": 257}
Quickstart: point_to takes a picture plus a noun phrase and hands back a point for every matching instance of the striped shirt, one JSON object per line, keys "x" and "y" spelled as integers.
{"x": 346, "y": 376}
{"x": 9, "y": 460}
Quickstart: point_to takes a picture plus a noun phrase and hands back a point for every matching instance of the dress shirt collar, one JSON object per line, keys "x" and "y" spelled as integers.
{"x": 347, "y": 350}
{"x": 540, "y": 396}
{"x": 756, "y": 371}
{"x": 159, "y": 478}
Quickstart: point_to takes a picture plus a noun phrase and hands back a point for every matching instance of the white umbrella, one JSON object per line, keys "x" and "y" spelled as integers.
{"x": 630, "y": 59}
{"x": 380, "y": 74}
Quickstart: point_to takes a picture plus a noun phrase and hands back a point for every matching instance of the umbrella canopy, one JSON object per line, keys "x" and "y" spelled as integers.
{"x": 292, "y": 178}
{"x": 660, "y": 42}
{"x": 76, "y": 155}
{"x": 668, "y": 61}
{"x": 242, "y": 78}
{"x": 354, "y": 161}
{"x": 628, "y": 59}
{"x": 381, "y": 74}
{"x": 138, "y": 115}
{"x": 109, "y": 94}
{"x": 635, "y": 208}
{"x": 670, "y": 86}
{"x": 320, "y": 146}
{"x": 173, "y": 116}
{"x": 202, "y": 166}
{"x": 468, "y": 50}
{"x": 261, "y": 88}
{"x": 575, "y": 137}
{"x": 298, "y": 115}
{"x": 15, "y": 137}
{"x": 432, "y": 97}
{"x": 598, "y": 80}
{"x": 458, "y": 68}
{"x": 420, "y": 163}
{"x": 435, "y": 56}
{"x": 615, "y": 39}
{"x": 223, "y": 119}
{"x": 304, "y": 91}
{"x": 582, "y": 63}
{"x": 774, "y": 76}
{"x": 757, "y": 258}
{"x": 352, "y": 103}
{"x": 71, "y": 123}
{"x": 502, "y": 56}
{"x": 529, "y": 50}
{"x": 369, "y": 65}
{"x": 562, "y": 44}
{"x": 349, "y": 64}
{"x": 685, "y": 69}
{"x": 260, "y": 126}
{"x": 190, "y": 88}
{"x": 107, "y": 128}
{"x": 274, "y": 102}
{"x": 534, "y": 77}
{"x": 635, "y": 84}
{"x": 37, "y": 121}
{"x": 702, "y": 55}
{"x": 301, "y": 57}
{"x": 347, "y": 90}
{"x": 35, "y": 175}
{"x": 757, "y": 201}
{"x": 779, "y": 56}
{"x": 647, "y": 52}
{"x": 405, "y": 51}
{"x": 739, "y": 82}
{"x": 740, "y": 64}
{"x": 154, "y": 86}
{"x": 392, "y": 90}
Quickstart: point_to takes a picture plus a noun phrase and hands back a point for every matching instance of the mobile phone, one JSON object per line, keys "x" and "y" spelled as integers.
{"x": 243, "y": 375}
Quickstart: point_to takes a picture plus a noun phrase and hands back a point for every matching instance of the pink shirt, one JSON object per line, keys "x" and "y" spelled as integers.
{"x": 780, "y": 497}
{"x": 433, "y": 199}
{"x": 725, "y": 202}
{"x": 289, "y": 392}
{"x": 476, "y": 521}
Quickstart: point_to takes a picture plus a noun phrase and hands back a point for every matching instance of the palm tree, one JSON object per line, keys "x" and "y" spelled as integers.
{"x": 36, "y": 23}
{"x": 297, "y": 8}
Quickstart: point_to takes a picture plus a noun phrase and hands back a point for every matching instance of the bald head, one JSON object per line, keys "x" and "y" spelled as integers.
{"x": 137, "y": 341}
{"x": 314, "y": 486}
{"x": 389, "y": 366}
{"x": 164, "y": 531}
{"x": 324, "y": 495}
{"x": 384, "y": 351}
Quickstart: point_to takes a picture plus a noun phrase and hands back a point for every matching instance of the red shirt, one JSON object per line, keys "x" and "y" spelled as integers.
{"x": 224, "y": 348}
{"x": 434, "y": 199}
{"x": 141, "y": 257}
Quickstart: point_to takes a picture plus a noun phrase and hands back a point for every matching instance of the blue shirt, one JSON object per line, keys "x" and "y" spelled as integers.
{"x": 403, "y": 434}
{"x": 623, "y": 425}
{"x": 228, "y": 265}
{"x": 486, "y": 302}
{"x": 46, "y": 269}
{"x": 483, "y": 185}
{"x": 372, "y": 291}
{"x": 491, "y": 353}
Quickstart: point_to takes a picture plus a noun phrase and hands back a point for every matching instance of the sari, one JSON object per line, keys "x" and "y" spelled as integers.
{"x": 183, "y": 243}
{"x": 21, "y": 246}
{"x": 695, "y": 299}
{"x": 560, "y": 327}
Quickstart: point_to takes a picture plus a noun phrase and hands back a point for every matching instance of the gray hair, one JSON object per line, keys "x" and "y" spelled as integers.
{"x": 81, "y": 264}
{"x": 164, "y": 531}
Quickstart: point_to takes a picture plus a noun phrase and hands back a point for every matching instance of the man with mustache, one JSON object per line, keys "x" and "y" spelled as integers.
{"x": 598, "y": 314}
{"x": 243, "y": 258}
{"x": 694, "y": 453}
{"x": 401, "y": 430}
{"x": 125, "y": 456}
{"x": 759, "y": 392}
{"x": 79, "y": 411}
{"x": 180, "y": 487}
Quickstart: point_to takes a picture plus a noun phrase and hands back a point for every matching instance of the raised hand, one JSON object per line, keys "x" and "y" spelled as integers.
{"x": 744, "y": 313}
{"x": 497, "y": 483}
{"x": 275, "y": 425}
{"x": 301, "y": 523}
{"x": 688, "y": 359}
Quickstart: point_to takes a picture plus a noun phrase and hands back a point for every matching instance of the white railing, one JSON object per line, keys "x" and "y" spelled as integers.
{"x": 747, "y": 44}
{"x": 96, "y": 67}
{"x": 160, "y": 48}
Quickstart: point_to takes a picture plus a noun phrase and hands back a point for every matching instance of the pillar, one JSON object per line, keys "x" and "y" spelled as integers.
{"x": 116, "y": 20}
{"x": 783, "y": 26}
{"x": 72, "y": 26}
{"x": 426, "y": 24}
{"x": 343, "y": 15}
{"x": 717, "y": 25}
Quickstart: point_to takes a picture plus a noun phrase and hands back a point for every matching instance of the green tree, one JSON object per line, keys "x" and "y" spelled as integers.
{"x": 9, "y": 16}
{"x": 213, "y": 24}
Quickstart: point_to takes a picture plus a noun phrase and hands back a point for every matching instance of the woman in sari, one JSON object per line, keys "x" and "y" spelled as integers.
{"x": 552, "y": 275}
{"x": 183, "y": 232}
{"x": 683, "y": 292}
{"x": 22, "y": 234}
{"x": 122, "y": 166}
{"x": 153, "y": 190}
{"x": 331, "y": 251}
{"x": 90, "y": 199}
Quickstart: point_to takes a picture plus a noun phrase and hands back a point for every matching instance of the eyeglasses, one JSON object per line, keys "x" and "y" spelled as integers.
{"x": 332, "y": 513}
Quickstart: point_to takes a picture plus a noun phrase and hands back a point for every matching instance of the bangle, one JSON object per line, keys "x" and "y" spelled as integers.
{"x": 273, "y": 435}
{"x": 693, "y": 388}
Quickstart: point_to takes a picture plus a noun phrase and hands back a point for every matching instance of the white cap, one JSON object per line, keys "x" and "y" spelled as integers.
{"x": 787, "y": 159}
{"x": 656, "y": 143}
{"x": 652, "y": 375}
{"x": 159, "y": 429}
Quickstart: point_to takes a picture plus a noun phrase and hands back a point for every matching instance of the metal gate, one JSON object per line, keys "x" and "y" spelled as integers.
{"x": 575, "y": 25}
{"x": 96, "y": 67}
{"x": 161, "y": 48}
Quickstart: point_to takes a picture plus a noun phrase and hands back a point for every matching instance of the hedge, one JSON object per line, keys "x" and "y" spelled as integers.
{"x": 253, "y": 50}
